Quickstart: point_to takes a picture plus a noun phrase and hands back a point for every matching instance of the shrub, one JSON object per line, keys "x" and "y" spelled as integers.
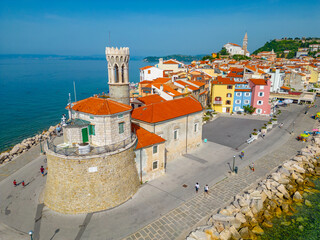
{"x": 254, "y": 133}
{"x": 263, "y": 128}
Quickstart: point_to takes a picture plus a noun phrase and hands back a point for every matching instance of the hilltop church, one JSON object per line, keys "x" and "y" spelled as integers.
{"x": 235, "y": 49}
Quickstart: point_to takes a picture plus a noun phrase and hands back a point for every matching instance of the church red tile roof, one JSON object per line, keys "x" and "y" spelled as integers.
{"x": 146, "y": 67}
{"x": 145, "y": 138}
{"x": 154, "y": 98}
{"x": 163, "y": 111}
{"x": 99, "y": 106}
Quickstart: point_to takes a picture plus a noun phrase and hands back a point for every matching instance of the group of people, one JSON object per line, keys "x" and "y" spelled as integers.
{"x": 206, "y": 188}
{"x": 23, "y": 183}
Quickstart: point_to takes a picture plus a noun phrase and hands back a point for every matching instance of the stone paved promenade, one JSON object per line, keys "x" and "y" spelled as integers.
{"x": 177, "y": 223}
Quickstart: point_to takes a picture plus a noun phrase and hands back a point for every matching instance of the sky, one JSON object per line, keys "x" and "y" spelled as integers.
{"x": 150, "y": 28}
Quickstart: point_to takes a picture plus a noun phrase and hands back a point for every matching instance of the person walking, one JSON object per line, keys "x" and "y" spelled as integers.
{"x": 23, "y": 184}
{"x": 197, "y": 186}
{"x": 206, "y": 189}
{"x": 42, "y": 170}
{"x": 252, "y": 167}
{"x": 242, "y": 155}
{"x": 15, "y": 183}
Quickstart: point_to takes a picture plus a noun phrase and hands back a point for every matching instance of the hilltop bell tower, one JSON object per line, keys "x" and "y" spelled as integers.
{"x": 118, "y": 74}
{"x": 245, "y": 44}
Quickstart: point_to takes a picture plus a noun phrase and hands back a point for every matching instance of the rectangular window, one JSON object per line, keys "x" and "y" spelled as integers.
{"x": 261, "y": 94}
{"x": 246, "y": 101}
{"x": 121, "y": 127}
{"x": 261, "y": 87}
{"x": 154, "y": 165}
{"x": 247, "y": 94}
{"x": 176, "y": 134}
{"x": 238, "y": 94}
{"x": 196, "y": 125}
{"x": 259, "y": 110}
{"x": 238, "y": 101}
{"x": 155, "y": 149}
{"x": 120, "y": 116}
{"x": 91, "y": 117}
{"x": 229, "y": 87}
{"x": 92, "y": 130}
{"x": 228, "y": 102}
{"x": 149, "y": 71}
{"x": 260, "y": 102}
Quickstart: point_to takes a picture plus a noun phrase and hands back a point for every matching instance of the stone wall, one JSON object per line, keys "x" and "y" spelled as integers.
{"x": 107, "y": 127}
{"x": 90, "y": 183}
{"x": 254, "y": 209}
{"x": 147, "y": 159}
{"x": 188, "y": 139}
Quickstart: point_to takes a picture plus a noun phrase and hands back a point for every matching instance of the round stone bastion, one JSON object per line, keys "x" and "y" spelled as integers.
{"x": 91, "y": 183}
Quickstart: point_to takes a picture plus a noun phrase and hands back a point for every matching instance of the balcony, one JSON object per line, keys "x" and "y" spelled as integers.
{"x": 77, "y": 150}
{"x": 217, "y": 102}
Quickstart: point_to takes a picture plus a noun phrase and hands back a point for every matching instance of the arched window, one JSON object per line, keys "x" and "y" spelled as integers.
{"x": 116, "y": 73}
{"x": 122, "y": 73}
{"x": 229, "y": 95}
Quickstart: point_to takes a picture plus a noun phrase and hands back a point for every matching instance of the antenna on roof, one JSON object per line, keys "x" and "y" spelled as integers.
{"x": 74, "y": 89}
{"x": 70, "y": 105}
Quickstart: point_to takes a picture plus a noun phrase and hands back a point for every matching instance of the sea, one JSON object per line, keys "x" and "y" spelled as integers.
{"x": 34, "y": 91}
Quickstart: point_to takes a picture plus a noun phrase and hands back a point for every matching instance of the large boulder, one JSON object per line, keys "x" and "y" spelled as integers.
{"x": 222, "y": 218}
{"x": 199, "y": 235}
{"x": 245, "y": 233}
{"x": 258, "y": 230}
{"x": 225, "y": 234}
{"x": 298, "y": 168}
{"x": 3, "y": 156}
{"x": 241, "y": 217}
{"x": 234, "y": 233}
{"x": 297, "y": 197}
{"x": 283, "y": 191}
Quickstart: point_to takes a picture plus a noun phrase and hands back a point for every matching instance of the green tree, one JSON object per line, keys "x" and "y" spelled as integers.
{"x": 207, "y": 57}
{"x": 291, "y": 54}
{"x": 240, "y": 57}
{"x": 224, "y": 51}
{"x": 249, "y": 109}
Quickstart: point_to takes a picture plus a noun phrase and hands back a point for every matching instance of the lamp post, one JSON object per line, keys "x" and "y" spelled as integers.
{"x": 292, "y": 127}
{"x": 30, "y": 234}
{"x": 234, "y": 159}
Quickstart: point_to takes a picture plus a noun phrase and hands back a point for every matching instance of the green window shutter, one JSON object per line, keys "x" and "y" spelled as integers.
{"x": 92, "y": 130}
{"x": 121, "y": 127}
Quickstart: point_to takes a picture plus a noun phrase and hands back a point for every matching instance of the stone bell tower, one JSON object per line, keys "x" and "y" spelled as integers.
{"x": 118, "y": 72}
{"x": 245, "y": 44}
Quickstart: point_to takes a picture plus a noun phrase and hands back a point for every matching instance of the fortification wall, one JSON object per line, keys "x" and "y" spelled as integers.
{"x": 90, "y": 183}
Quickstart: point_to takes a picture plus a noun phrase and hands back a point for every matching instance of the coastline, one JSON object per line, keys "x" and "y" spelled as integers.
{"x": 247, "y": 215}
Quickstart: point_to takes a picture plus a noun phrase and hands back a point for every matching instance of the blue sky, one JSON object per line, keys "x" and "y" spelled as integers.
{"x": 150, "y": 27}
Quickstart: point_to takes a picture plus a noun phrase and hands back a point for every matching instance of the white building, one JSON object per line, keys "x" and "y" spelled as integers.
{"x": 150, "y": 73}
{"x": 171, "y": 65}
{"x": 276, "y": 79}
{"x": 234, "y": 49}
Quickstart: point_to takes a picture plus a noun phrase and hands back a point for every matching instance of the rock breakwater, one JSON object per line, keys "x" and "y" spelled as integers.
{"x": 26, "y": 144}
{"x": 250, "y": 212}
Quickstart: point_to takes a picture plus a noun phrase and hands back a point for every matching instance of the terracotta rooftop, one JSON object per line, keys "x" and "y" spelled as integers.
{"x": 259, "y": 81}
{"x": 187, "y": 85}
{"x": 167, "y": 89}
{"x": 145, "y": 138}
{"x": 223, "y": 81}
{"x": 100, "y": 106}
{"x": 146, "y": 67}
{"x": 171, "y": 62}
{"x": 286, "y": 88}
{"x": 154, "y": 98}
{"x": 163, "y": 111}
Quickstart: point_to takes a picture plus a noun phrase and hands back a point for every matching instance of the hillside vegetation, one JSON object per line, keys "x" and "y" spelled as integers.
{"x": 279, "y": 46}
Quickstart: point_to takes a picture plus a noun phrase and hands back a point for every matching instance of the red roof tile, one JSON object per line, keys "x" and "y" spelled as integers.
{"x": 146, "y": 67}
{"x": 100, "y": 106}
{"x": 145, "y": 138}
{"x": 170, "y": 62}
{"x": 163, "y": 111}
{"x": 258, "y": 81}
{"x": 154, "y": 98}
{"x": 223, "y": 81}
{"x": 286, "y": 88}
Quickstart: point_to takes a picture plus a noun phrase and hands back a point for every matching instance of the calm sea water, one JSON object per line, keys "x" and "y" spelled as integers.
{"x": 304, "y": 224}
{"x": 34, "y": 92}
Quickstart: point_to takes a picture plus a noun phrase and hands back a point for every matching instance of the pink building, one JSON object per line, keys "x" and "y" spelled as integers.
{"x": 260, "y": 96}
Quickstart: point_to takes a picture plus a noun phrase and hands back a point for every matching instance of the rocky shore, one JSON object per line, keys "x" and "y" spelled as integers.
{"x": 25, "y": 145}
{"x": 250, "y": 212}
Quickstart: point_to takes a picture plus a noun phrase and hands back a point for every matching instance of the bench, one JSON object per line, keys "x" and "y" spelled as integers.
{"x": 250, "y": 140}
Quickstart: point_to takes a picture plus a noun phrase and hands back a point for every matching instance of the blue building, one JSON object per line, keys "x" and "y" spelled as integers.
{"x": 242, "y": 96}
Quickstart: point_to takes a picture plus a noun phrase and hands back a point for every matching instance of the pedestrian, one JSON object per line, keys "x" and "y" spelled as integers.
{"x": 313, "y": 140}
{"x": 242, "y": 155}
{"x": 23, "y": 184}
{"x": 197, "y": 186}
{"x": 206, "y": 189}
{"x": 252, "y": 167}
{"x": 15, "y": 183}
{"x": 263, "y": 135}
{"x": 42, "y": 170}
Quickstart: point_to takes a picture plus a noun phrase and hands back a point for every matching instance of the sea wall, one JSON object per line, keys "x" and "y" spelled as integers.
{"x": 25, "y": 145}
{"x": 245, "y": 216}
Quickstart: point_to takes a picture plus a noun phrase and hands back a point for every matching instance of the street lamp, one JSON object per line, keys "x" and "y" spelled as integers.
{"x": 234, "y": 159}
{"x": 30, "y": 234}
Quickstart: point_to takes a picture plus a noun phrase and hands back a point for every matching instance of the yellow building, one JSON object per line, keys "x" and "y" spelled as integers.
{"x": 222, "y": 93}
{"x": 314, "y": 74}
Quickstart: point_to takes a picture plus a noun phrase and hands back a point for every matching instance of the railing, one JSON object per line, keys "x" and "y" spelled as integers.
{"x": 74, "y": 151}
{"x": 217, "y": 102}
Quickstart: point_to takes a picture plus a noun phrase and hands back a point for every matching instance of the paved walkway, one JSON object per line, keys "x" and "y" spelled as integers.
{"x": 177, "y": 223}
